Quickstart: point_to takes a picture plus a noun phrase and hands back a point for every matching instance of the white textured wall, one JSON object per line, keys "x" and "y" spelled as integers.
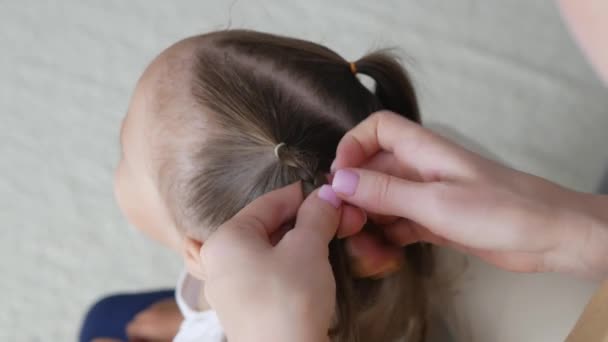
{"x": 503, "y": 73}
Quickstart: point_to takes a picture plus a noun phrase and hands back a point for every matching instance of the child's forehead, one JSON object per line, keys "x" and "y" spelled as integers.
{"x": 167, "y": 76}
{"x": 165, "y": 84}
{"x": 162, "y": 105}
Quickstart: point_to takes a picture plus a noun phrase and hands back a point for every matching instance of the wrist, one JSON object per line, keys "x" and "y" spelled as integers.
{"x": 261, "y": 334}
{"x": 586, "y": 236}
{"x": 599, "y": 211}
{"x": 278, "y": 329}
{"x": 598, "y": 206}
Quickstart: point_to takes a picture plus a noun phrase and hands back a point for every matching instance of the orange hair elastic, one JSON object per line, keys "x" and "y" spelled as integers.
{"x": 353, "y": 67}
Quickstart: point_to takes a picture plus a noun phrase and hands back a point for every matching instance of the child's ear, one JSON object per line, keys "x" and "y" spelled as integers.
{"x": 192, "y": 257}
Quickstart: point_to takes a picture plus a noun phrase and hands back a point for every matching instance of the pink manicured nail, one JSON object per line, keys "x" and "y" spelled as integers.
{"x": 345, "y": 182}
{"x": 327, "y": 194}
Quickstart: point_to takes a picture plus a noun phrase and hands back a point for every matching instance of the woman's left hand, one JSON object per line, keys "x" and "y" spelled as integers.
{"x": 284, "y": 292}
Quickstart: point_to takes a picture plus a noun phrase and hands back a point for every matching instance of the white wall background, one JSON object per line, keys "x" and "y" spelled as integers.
{"x": 503, "y": 73}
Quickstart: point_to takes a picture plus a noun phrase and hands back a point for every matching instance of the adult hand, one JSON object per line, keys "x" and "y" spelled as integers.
{"x": 284, "y": 292}
{"x": 429, "y": 189}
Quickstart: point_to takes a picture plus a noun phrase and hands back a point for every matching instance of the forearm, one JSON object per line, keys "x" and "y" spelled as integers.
{"x": 586, "y": 238}
{"x": 599, "y": 240}
{"x": 277, "y": 337}
{"x": 279, "y": 325}
{"x": 278, "y": 333}
{"x": 588, "y": 21}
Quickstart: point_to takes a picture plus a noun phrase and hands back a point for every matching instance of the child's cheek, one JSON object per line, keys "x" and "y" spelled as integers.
{"x": 119, "y": 188}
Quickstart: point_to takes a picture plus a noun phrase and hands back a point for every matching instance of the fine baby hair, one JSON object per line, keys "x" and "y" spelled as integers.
{"x": 273, "y": 110}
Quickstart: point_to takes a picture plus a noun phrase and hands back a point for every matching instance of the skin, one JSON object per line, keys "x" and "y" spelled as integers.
{"x": 297, "y": 302}
{"x": 162, "y": 91}
{"x": 451, "y": 190}
{"x": 588, "y": 23}
{"x": 134, "y": 188}
{"x": 430, "y": 189}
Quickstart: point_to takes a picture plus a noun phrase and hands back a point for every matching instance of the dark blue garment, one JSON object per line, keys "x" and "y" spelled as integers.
{"x": 110, "y": 315}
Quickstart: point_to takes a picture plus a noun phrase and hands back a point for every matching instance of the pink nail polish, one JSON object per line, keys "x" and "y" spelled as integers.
{"x": 327, "y": 194}
{"x": 345, "y": 182}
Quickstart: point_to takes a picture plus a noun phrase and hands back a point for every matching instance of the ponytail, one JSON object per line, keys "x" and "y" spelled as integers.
{"x": 396, "y": 93}
{"x": 394, "y": 89}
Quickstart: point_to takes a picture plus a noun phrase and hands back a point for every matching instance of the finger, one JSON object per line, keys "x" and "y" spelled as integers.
{"x": 514, "y": 262}
{"x": 372, "y": 258}
{"x": 351, "y": 222}
{"x": 383, "y": 162}
{"x": 317, "y": 221}
{"x": 271, "y": 211}
{"x": 418, "y": 149}
{"x": 278, "y": 234}
{"x": 251, "y": 229}
{"x": 386, "y": 162}
{"x": 382, "y": 219}
{"x": 384, "y": 194}
{"x": 405, "y": 232}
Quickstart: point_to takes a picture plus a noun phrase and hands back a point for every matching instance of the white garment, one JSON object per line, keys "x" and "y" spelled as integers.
{"x": 199, "y": 326}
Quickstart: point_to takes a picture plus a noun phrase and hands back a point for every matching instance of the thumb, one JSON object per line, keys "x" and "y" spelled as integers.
{"x": 249, "y": 231}
{"x": 384, "y": 194}
{"x": 317, "y": 221}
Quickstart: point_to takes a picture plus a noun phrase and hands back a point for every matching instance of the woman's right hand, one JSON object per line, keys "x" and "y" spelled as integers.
{"x": 422, "y": 187}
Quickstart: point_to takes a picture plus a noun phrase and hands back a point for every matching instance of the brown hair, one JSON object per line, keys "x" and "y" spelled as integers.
{"x": 258, "y": 90}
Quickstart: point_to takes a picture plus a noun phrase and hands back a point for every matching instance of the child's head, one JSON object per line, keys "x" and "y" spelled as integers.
{"x": 199, "y": 144}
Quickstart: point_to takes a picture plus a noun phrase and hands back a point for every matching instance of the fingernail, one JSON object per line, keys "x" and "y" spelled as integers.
{"x": 364, "y": 216}
{"x": 332, "y": 168}
{"x": 345, "y": 182}
{"x": 327, "y": 194}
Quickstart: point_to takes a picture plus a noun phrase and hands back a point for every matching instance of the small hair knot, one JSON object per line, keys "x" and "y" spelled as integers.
{"x": 277, "y": 149}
